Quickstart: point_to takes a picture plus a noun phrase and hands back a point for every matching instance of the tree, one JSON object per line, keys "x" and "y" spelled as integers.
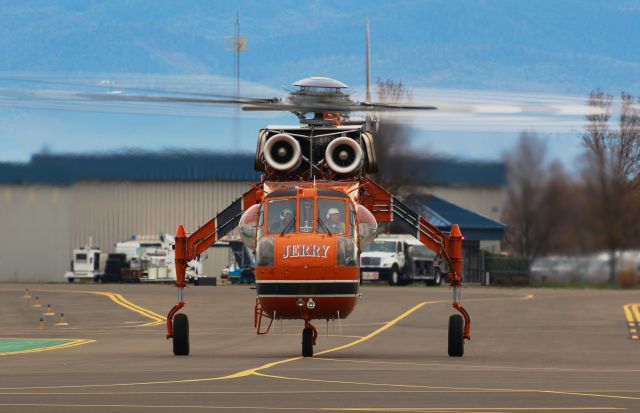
{"x": 392, "y": 142}
{"x": 537, "y": 206}
{"x": 612, "y": 166}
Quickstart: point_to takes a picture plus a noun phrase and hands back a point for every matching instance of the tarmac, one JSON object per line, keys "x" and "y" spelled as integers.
{"x": 532, "y": 350}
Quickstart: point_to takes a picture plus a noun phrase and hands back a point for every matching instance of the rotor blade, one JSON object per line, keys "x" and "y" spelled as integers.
{"x": 189, "y": 85}
{"x": 330, "y": 108}
{"x": 168, "y": 99}
{"x": 394, "y": 106}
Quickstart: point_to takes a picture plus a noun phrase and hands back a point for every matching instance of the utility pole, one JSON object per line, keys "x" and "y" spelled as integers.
{"x": 237, "y": 44}
{"x": 367, "y": 98}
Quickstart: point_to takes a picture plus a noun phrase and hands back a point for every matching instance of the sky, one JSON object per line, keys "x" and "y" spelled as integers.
{"x": 500, "y": 67}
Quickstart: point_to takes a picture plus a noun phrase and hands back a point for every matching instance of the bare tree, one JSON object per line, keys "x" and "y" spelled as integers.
{"x": 392, "y": 141}
{"x": 612, "y": 164}
{"x": 537, "y": 204}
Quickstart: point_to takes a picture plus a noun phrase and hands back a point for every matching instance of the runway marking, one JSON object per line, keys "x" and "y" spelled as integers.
{"x": 66, "y": 343}
{"x": 156, "y": 318}
{"x": 419, "y": 386}
{"x": 632, "y": 314}
{"x": 257, "y": 372}
{"x": 488, "y": 367}
{"x": 243, "y": 373}
{"x": 385, "y": 327}
{"x": 321, "y": 409}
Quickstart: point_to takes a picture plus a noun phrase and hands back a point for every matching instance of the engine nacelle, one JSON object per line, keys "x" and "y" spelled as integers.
{"x": 282, "y": 152}
{"x": 343, "y": 155}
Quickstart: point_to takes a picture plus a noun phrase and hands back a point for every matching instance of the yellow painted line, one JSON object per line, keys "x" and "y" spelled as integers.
{"x": 243, "y": 373}
{"x": 385, "y": 327}
{"x": 246, "y": 392}
{"x": 74, "y": 343}
{"x": 472, "y": 367}
{"x": 316, "y": 409}
{"x": 636, "y": 311}
{"x": 628, "y": 315}
{"x": 418, "y": 386}
{"x": 156, "y": 318}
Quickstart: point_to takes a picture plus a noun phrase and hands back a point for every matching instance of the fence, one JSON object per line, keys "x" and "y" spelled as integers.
{"x": 505, "y": 270}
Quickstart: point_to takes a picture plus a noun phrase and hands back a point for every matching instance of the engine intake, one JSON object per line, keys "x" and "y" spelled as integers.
{"x": 282, "y": 152}
{"x": 343, "y": 155}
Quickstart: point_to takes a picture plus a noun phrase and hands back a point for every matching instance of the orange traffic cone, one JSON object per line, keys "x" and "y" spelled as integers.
{"x": 36, "y": 303}
{"x": 62, "y": 322}
{"x": 49, "y": 311}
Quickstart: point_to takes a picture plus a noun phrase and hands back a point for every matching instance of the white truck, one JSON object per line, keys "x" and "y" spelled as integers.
{"x": 85, "y": 264}
{"x": 400, "y": 260}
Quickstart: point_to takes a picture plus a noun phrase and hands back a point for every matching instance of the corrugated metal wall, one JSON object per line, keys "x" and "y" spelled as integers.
{"x": 41, "y": 225}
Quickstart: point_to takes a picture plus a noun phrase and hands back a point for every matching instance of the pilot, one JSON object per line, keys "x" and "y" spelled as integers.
{"x": 286, "y": 216}
{"x": 334, "y": 223}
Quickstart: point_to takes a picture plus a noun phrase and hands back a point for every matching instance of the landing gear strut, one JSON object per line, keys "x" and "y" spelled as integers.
{"x": 459, "y": 324}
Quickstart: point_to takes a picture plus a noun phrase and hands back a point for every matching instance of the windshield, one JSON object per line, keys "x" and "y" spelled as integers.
{"x": 380, "y": 246}
{"x": 282, "y": 213}
{"x": 306, "y": 215}
{"x": 331, "y": 216}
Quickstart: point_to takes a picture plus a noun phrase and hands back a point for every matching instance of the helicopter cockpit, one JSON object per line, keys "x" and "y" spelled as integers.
{"x": 303, "y": 223}
{"x": 328, "y": 212}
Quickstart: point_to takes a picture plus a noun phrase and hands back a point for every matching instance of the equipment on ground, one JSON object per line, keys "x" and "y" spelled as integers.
{"x": 85, "y": 263}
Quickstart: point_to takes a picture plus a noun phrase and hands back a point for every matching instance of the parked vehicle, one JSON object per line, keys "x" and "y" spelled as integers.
{"x": 85, "y": 264}
{"x": 399, "y": 260}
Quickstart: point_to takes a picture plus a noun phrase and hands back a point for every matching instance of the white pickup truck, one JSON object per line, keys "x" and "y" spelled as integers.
{"x": 400, "y": 260}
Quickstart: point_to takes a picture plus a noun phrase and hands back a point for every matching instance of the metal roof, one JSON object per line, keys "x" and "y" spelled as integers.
{"x": 66, "y": 169}
{"x": 139, "y": 166}
{"x": 320, "y": 82}
{"x": 443, "y": 214}
{"x": 447, "y": 172}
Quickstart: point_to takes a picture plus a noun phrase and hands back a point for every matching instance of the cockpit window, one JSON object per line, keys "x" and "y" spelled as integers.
{"x": 282, "y": 215}
{"x": 306, "y": 215}
{"x": 331, "y": 216}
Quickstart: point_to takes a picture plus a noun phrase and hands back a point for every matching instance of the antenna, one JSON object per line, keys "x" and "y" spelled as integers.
{"x": 368, "y": 63}
{"x": 237, "y": 44}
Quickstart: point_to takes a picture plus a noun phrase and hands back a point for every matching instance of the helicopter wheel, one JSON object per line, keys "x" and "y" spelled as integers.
{"x": 181, "y": 335}
{"x": 307, "y": 342}
{"x": 456, "y": 336}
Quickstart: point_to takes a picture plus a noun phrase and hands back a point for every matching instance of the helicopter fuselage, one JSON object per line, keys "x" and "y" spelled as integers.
{"x": 307, "y": 251}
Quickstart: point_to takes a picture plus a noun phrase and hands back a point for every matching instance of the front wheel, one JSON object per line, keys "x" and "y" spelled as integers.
{"x": 394, "y": 278}
{"x": 456, "y": 336}
{"x": 437, "y": 279}
{"x": 181, "y": 335}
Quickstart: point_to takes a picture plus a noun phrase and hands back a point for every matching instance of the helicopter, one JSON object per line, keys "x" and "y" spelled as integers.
{"x": 309, "y": 215}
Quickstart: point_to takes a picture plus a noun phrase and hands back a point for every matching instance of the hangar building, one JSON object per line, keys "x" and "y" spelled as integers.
{"x": 53, "y": 203}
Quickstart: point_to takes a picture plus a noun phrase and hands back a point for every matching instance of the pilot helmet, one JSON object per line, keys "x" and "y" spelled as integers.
{"x": 332, "y": 211}
{"x": 284, "y": 213}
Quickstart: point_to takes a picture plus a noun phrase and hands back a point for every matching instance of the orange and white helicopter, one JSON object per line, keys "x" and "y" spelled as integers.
{"x": 307, "y": 218}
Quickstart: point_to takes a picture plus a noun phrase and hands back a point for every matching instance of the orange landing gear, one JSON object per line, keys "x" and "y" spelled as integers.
{"x": 459, "y": 324}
